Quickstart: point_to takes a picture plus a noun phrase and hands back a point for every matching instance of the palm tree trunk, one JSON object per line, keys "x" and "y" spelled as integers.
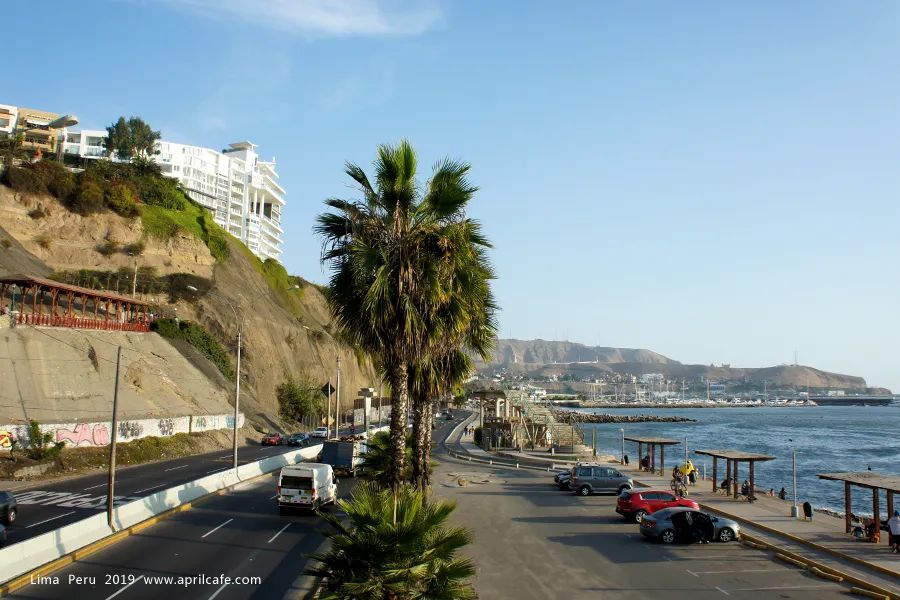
{"x": 417, "y": 432}
{"x": 426, "y": 457}
{"x": 421, "y": 442}
{"x": 399, "y": 402}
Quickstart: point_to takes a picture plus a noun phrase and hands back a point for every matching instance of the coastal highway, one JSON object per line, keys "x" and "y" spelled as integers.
{"x": 49, "y": 505}
{"x": 239, "y": 534}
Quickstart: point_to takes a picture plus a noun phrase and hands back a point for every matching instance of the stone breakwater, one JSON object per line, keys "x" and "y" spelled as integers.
{"x": 580, "y": 417}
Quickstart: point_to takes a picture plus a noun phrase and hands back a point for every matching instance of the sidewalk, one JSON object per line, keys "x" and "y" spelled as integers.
{"x": 822, "y": 538}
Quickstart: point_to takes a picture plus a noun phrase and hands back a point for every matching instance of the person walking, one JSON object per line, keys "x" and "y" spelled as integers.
{"x": 894, "y": 531}
{"x": 782, "y": 493}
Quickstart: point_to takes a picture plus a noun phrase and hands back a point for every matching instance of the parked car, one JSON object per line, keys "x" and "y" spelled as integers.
{"x": 298, "y": 439}
{"x": 307, "y": 485}
{"x": 8, "y": 508}
{"x": 591, "y": 479}
{"x": 636, "y": 504}
{"x": 562, "y": 480}
{"x": 2, "y": 536}
{"x": 320, "y": 432}
{"x": 273, "y": 439}
{"x": 671, "y": 525}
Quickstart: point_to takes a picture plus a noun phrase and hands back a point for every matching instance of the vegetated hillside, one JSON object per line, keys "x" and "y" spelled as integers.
{"x": 287, "y": 333}
{"x": 547, "y": 352}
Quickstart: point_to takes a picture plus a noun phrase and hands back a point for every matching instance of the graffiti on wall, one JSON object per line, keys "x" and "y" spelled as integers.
{"x": 6, "y": 439}
{"x": 85, "y": 434}
{"x": 166, "y": 427}
{"x": 130, "y": 429}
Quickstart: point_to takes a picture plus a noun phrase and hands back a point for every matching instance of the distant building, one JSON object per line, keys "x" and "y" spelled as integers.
{"x": 38, "y": 128}
{"x": 652, "y": 377}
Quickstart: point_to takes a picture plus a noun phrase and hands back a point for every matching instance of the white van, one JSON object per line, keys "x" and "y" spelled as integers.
{"x": 307, "y": 485}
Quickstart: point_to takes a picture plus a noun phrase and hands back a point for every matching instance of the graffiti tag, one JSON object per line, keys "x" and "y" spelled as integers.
{"x": 84, "y": 434}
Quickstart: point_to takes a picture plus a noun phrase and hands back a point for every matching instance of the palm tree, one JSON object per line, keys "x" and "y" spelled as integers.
{"x": 395, "y": 546}
{"x": 390, "y": 255}
{"x": 13, "y": 148}
{"x": 376, "y": 465}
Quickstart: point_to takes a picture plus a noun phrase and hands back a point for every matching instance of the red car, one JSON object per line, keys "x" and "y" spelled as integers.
{"x": 273, "y": 439}
{"x": 635, "y": 504}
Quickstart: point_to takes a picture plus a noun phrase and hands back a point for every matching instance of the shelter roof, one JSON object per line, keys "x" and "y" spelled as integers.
{"x": 869, "y": 479}
{"x": 736, "y": 455}
{"x": 654, "y": 440}
{"x": 29, "y": 280}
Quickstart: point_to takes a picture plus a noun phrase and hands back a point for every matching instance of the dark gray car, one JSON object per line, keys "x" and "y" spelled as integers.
{"x": 669, "y": 525}
{"x": 8, "y": 508}
{"x": 593, "y": 479}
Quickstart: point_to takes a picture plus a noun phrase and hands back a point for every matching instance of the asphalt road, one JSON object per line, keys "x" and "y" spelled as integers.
{"x": 533, "y": 541}
{"x": 238, "y": 534}
{"x": 50, "y": 505}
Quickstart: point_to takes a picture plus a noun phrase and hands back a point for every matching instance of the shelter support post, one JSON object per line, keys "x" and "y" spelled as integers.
{"x": 734, "y": 481}
{"x": 662, "y": 459}
{"x": 715, "y": 473}
{"x": 876, "y": 511}
{"x": 640, "y": 455}
{"x": 848, "y": 505}
{"x": 752, "y": 496}
{"x": 890, "y": 503}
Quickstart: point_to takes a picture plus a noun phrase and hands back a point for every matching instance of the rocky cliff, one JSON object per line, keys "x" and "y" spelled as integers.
{"x": 528, "y": 352}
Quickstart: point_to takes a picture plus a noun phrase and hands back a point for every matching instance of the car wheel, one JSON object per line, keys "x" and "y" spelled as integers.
{"x": 584, "y": 491}
{"x": 667, "y": 537}
{"x": 726, "y": 535}
{"x": 639, "y": 516}
{"x": 11, "y": 515}
{"x": 623, "y": 488}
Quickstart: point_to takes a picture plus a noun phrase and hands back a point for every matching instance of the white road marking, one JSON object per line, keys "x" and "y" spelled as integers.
{"x": 279, "y": 533}
{"x": 136, "y": 579}
{"x": 149, "y": 488}
{"x": 787, "y": 587}
{"x": 723, "y": 591}
{"x": 95, "y": 486}
{"x": 175, "y": 468}
{"x": 217, "y": 470}
{"x": 273, "y": 497}
{"x": 217, "y": 528}
{"x": 218, "y": 591}
{"x": 51, "y": 519}
{"x": 699, "y": 573}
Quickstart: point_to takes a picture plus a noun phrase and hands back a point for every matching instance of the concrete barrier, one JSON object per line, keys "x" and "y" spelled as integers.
{"x": 31, "y": 554}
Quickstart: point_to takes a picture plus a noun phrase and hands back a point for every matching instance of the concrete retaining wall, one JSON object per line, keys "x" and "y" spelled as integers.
{"x": 23, "y": 557}
{"x": 98, "y": 433}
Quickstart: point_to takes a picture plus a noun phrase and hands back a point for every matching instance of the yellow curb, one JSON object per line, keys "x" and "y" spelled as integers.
{"x": 825, "y": 575}
{"x": 22, "y": 580}
{"x": 793, "y": 561}
{"x": 869, "y": 593}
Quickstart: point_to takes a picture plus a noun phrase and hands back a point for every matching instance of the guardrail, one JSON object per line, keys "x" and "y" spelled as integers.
{"x": 32, "y": 553}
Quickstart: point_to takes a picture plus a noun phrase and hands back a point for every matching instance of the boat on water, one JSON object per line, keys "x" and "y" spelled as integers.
{"x": 860, "y": 400}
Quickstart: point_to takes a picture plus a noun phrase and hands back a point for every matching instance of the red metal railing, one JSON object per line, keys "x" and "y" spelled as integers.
{"x": 79, "y": 323}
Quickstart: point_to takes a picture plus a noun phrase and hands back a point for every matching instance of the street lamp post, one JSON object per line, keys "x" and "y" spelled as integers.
{"x": 237, "y": 378}
{"x": 795, "y": 512}
{"x": 622, "y": 430}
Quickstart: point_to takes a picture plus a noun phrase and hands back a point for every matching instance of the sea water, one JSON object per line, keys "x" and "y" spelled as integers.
{"x": 827, "y": 439}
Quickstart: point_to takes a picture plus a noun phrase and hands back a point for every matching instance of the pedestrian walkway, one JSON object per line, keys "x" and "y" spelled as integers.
{"x": 823, "y": 535}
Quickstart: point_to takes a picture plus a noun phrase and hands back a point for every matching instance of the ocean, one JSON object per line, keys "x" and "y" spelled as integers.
{"x": 827, "y": 439}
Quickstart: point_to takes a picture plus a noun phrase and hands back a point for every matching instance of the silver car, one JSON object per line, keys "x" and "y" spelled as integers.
{"x": 681, "y": 524}
{"x": 590, "y": 479}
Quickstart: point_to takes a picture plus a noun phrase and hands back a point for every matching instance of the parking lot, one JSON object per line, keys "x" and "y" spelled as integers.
{"x": 534, "y": 541}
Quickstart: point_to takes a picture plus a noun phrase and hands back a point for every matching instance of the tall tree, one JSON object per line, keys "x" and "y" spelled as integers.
{"x": 389, "y": 255}
{"x": 131, "y": 139}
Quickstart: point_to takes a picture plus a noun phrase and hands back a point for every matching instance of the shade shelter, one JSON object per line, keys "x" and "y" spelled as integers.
{"x": 866, "y": 479}
{"x": 71, "y": 305}
{"x": 733, "y": 458}
{"x": 652, "y": 444}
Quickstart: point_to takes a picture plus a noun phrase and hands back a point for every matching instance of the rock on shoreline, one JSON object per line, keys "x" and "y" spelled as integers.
{"x": 580, "y": 417}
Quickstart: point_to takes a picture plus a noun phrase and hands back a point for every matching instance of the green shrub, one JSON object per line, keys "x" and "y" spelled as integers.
{"x": 108, "y": 248}
{"x": 477, "y": 436}
{"x": 38, "y": 213}
{"x": 120, "y": 199}
{"x": 194, "y": 334}
{"x": 158, "y": 223}
{"x": 25, "y": 180}
{"x": 299, "y": 399}
{"x": 41, "y": 445}
{"x": 136, "y": 248}
{"x": 43, "y": 240}
{"x": 88, "y": 198}
{"x": 212, "y": 235}
{"x": 58, "y": 180}
{"x": 161, "y": 191}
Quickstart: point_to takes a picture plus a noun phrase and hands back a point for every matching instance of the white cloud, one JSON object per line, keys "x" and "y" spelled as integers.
{"x": 323, "y": 17}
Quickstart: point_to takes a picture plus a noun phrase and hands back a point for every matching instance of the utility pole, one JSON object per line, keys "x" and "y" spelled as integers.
{"x": 237, "y": 396}
{"x": 328, "y": 413}
{"x": 112, "y": 444}
{"x": 337, "y": 398}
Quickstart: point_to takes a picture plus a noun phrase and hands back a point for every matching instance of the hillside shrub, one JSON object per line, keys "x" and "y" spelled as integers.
{"x": 57, "y": 179}
{"x": 108, "y": 248}
{"x": 38, "y": 213}
{"x": 43, "y": 240}
{"x": 25, "y": 180}
{"x": 88, "y": 198}
{"x": 194, "y": 334}
{"x": 158, "y": 223}
{"x": 120, "y": 199}
{"x": 213, "y": 235}
{"x": 40, "y": 444}
{"x": 299, "y": 399}
{"x": 161, "y": 191}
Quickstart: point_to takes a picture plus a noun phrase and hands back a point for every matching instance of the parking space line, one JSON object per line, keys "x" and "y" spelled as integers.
{"x": 218, "y": 591}
{"x": 279, "y": 533}
{"x": 723, "y": 591}
{"x": 786, "y": 587}
{"x": 699, "y": 573}
{"x": 51, "y": 519}
{"x": 174, "y": 468}
{"x": 136, "y": 579}
{"x": 217, "y": 528}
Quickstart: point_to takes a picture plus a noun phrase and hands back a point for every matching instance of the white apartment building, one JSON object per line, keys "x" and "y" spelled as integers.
{"x": 239, "y": 189}
{"x": 8, "y": 116}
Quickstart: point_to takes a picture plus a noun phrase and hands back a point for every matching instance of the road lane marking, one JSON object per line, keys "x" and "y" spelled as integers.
{"x": 136, "y": 579}
{"x": 723, "y": 591}
{"x": 95, "y": 486}
{"x": 51, "y": 519}
{"x": 217, "y": 528}
{"x": 699, "y": 573}
{"x": 218, "y": 591}
{"x": 273, "y": 497}
{"x": 174, "y": 468}
{"x": 279, "y": 533}
{"x": 217, "y": 470}
{"x": 787, "y": 587}
{"x": 149, "y": 488}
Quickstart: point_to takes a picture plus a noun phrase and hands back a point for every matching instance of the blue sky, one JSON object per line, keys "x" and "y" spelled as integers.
{"x": 718, "y": 182}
